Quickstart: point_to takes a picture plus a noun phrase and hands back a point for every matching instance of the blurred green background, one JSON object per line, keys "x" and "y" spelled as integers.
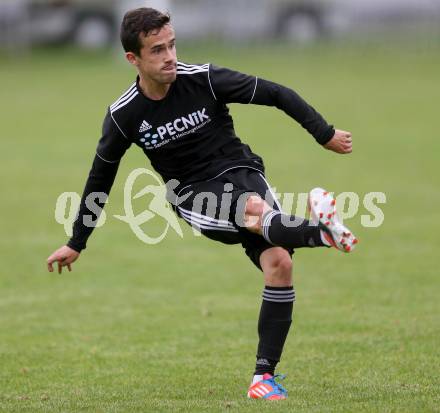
{"x": 172, "y": 327}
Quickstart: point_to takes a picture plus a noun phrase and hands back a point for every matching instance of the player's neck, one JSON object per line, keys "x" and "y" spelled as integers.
{"x": 152, "y": 89}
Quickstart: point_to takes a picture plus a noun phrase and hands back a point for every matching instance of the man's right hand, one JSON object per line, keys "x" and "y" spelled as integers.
{"x": 64, "y": 256}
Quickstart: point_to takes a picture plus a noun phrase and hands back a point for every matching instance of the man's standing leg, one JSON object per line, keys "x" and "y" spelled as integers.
{"x": 276, "y": 308}
{"x": 278, "y": 295}
{"x": 274, "y": 320}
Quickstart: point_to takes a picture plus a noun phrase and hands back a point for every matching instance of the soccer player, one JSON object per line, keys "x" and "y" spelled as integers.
{"x": 177, "y": 114}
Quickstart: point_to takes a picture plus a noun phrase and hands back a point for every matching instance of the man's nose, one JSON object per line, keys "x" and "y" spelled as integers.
{"x": 170, "y": 56}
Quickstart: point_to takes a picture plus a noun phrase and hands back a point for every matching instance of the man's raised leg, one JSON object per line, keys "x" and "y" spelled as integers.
{"x": 280, "y": 229}
{"x": 288, "y": 231}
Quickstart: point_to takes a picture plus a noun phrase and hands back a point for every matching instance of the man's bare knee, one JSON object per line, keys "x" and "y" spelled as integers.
{"x": 256, "y": 207}
{"x": 284, "y": 265}
{"x": 277, "y": 266}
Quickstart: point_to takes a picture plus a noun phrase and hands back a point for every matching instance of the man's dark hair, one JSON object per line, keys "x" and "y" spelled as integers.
{"x": 144, "y": 21}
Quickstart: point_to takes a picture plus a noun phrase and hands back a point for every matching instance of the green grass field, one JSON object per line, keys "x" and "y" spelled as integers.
{"x": 172, "y": 327}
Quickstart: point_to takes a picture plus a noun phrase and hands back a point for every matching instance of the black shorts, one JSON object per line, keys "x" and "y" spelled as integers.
{"x": 216, "y": 208}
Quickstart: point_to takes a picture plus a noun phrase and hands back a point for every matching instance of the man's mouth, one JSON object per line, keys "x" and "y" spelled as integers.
{"x": 169, "y": 68}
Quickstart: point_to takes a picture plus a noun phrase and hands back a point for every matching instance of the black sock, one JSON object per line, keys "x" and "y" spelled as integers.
{"x": 289, "y": 231}
{"x": 273, "y": 326}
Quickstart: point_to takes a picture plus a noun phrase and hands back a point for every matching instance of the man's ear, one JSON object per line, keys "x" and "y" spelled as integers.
{"x": 131, "y": 57}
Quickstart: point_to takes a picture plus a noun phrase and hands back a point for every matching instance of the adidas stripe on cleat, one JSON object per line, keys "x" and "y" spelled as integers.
{"x": 268, "y": 388}
{"x": 322, "y": 208}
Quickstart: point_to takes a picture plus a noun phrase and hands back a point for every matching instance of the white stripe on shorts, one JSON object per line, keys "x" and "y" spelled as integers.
{"x": 207, "y": 223}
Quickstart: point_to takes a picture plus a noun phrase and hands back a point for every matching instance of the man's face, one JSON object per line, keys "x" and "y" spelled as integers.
{"x": 157, "y": 60}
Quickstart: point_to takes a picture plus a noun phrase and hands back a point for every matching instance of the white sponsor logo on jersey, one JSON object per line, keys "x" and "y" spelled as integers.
{"x": 175, "y": 129}
{"x": 183, "y": 124}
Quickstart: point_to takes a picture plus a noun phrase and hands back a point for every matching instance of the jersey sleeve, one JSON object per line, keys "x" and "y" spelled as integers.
{"x": 111, "y": 148}
{"x": 229, "y": 86}
{"x": 272, "y": 94}
{"x": 113, "y": 144}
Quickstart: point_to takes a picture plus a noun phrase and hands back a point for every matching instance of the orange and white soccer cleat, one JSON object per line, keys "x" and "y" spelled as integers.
{"x": 322, "y": 208}
{"x": 268, "y": 388}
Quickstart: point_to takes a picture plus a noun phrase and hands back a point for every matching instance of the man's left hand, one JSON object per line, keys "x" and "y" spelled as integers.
{"x": 340, "y": 143}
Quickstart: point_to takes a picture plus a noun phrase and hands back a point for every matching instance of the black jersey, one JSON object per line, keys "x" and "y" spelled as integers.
{"x": 189, "y": 134}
